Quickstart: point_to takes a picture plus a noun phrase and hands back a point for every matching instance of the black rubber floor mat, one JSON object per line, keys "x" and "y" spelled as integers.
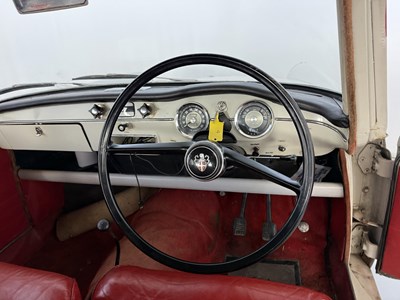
{"x": 283, "y": 271}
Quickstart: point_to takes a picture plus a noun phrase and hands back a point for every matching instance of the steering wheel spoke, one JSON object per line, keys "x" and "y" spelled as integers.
{"x": 268, "y": 173}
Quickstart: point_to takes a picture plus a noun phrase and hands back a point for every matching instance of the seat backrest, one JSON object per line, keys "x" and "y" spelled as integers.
{"x": 20, "y": 283}
{"x": 129, "y": 282}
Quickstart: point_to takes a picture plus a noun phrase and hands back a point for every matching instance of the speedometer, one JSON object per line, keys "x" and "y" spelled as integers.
{"x": 191, "y": 119}
{"x": 254, "y": 119}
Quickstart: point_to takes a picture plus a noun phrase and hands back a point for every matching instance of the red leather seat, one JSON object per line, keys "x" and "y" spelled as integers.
{"x": 128, "y": 282}
{"x": 17, "y": 283}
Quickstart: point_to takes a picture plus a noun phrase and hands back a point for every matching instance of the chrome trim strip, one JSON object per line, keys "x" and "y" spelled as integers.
{"x": 68, "y": 121}
{"x": 317, "y": 123}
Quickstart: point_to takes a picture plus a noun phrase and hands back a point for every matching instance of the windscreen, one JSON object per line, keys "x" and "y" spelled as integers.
{"x": 293, "y": 41}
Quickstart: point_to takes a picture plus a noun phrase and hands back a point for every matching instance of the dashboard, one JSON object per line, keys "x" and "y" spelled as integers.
{"x": 253, "y": 119}
{"x": 55, "y": 134}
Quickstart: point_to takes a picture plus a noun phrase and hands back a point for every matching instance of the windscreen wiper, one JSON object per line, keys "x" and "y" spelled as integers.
{"x": 119, "y": 76}
{"x": 106, "y": 76}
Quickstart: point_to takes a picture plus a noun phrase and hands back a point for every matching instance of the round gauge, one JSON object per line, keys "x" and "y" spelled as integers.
{"x": 192, "y": 118}
{"x": 253, "y": 119}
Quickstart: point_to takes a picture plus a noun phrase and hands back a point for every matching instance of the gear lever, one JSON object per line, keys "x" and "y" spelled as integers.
{"x": 104, "y": 225}
{"x": 239, "y": 224}
{"x": 269, "y": 227}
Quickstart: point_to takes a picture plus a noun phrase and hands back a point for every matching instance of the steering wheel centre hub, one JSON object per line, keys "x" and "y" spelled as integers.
{"x": 204, "y": 161}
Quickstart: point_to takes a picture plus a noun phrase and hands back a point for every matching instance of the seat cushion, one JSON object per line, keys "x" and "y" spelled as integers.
{"x": 18, "y": 282}
{"x": 128, "y": 282}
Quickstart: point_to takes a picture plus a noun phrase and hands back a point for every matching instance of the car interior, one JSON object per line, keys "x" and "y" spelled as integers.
{"x": 196, "y": 150}
{"x": 239, "y": 183}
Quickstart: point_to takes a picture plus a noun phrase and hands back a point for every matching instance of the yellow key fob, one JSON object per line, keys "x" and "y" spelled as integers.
{"x": 216, "y": 130}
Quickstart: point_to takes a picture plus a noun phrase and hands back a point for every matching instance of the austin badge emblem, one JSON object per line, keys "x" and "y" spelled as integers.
{"x": 201, "y": 161}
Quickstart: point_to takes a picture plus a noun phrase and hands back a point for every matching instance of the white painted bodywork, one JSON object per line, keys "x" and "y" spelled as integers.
{"x": 365, "y": 100}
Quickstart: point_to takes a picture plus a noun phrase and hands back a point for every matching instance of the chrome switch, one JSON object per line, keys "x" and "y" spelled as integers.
{"x": 144, "y": 110}
{"x": 97, "y": 111}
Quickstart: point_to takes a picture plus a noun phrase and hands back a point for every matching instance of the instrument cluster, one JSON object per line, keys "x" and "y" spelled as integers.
{"x": 253, "y": 119}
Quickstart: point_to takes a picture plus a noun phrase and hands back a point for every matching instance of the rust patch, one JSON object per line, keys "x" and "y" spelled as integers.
{"x": 347, "y": 33}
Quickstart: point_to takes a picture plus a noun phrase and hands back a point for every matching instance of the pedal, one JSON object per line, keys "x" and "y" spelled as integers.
{"x": 239, "y": 223}
{"x": 239, "y": 227}
{"x": 269, "y": 227}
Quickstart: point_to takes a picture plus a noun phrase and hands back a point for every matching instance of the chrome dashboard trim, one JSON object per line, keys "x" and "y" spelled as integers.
{"x": 317, "y": 123}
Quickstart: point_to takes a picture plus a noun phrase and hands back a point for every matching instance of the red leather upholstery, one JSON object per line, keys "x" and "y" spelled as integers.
{"x": 186, "y": 225}
{"x": 181, "y": 223}
{"x": 128, "y": 282}
{"x": 18, "y": 282}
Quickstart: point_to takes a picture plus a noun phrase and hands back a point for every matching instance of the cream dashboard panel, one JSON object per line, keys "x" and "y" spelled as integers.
{"x": 57, "y": 137}
{"x": 71, "y": 127}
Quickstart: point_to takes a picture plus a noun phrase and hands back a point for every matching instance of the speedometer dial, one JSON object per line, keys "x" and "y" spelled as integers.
{"x": 254, "y": 119}
{"x": 192, "y": 118}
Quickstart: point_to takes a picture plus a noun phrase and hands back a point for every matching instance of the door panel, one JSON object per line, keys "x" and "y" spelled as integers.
{"x": 389, "y": 252}
{"x": 12, "y": 213}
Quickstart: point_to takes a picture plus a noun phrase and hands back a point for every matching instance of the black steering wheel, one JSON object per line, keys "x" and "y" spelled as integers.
{"x": 219, "y": 156}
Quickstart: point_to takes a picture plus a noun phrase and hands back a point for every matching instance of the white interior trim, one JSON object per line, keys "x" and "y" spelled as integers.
{"x": 257, "y": 186}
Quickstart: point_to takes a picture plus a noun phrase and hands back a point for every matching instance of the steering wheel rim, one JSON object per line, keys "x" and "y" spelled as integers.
{"x": 303, "y": 191}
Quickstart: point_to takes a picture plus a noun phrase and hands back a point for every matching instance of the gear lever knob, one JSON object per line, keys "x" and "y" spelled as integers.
{"x": 103, "y": 225}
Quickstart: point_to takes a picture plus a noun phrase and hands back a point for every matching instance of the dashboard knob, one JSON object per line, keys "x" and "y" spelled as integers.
{"x": 122, "y": 126}
{"x": 145, "y": 110}
{"x": 97, "y": 111}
